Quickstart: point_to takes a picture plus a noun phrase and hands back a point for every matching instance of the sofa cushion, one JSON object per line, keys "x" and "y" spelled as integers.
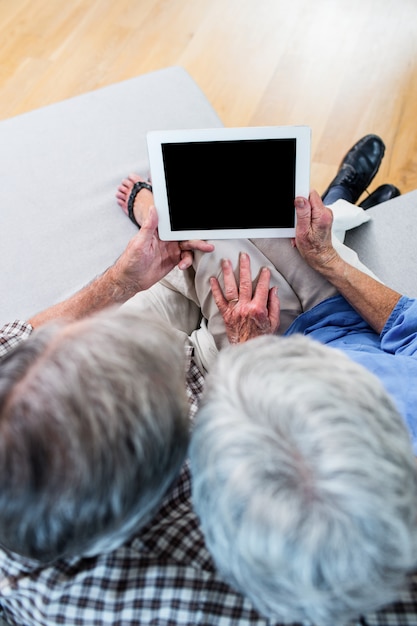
{"x": 61, "y": 164}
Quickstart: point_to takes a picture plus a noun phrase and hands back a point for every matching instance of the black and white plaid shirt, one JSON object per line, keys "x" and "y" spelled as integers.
{"x": 163, "y": 576}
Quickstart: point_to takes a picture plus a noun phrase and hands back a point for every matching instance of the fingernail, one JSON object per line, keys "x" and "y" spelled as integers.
{"x": 299, "y": 203}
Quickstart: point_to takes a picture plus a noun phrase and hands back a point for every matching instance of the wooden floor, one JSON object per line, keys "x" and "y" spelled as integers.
{"x": 344, "y": 67}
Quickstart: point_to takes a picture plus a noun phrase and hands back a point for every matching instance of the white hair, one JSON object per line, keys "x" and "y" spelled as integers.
{"x": 304, "y": 480}
{"x": 93, "y": 430}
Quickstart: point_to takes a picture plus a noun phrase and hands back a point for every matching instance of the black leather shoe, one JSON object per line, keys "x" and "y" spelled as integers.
{"x": 381, "y": 194}
{"x": 356, "y": 171}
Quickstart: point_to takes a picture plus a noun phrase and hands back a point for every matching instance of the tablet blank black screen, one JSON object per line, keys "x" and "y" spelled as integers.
{"x": 230, "y": 184}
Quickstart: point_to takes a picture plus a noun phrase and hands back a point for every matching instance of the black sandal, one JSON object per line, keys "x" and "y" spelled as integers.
{"x": 135, "y": 190}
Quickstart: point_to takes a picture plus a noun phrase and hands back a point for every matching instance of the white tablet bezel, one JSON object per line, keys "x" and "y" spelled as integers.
{"x": 156, "y": 140}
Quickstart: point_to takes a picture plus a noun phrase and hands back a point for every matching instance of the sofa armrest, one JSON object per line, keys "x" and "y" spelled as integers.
{"x": 387, "y": 243}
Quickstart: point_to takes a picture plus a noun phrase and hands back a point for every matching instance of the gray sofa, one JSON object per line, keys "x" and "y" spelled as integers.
{"x": 387, "y": 243}
{"x": 60, "y": 224}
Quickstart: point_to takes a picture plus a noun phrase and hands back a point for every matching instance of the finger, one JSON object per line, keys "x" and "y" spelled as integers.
{"x": 262, "y": 288}
{"x": 245, "y": 278}
{"x": 303, "y": 211}
{"x": 218, "y": 296}
{"x": 186, "y": 261}
{"x": 230, "y": 287}
{"x": 274, "y": 309}
{"x": 150, "y": 224}
{"x": 197, "y": 244}
{"x": 320, "y": 214}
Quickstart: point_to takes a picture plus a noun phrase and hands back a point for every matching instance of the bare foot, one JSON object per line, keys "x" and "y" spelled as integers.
{"x": 143, "y": 200}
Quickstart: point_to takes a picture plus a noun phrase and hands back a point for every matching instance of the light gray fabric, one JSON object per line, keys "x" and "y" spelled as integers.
{"x": 60, "y": 223}
{"x": 387, "y": 244}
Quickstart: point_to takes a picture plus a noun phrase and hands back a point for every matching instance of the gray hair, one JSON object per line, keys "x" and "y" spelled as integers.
{"x": 304, "y": 480}
{"x": 93, "y": 430}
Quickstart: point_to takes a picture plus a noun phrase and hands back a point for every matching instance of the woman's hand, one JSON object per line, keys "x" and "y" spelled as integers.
{"x": 247, "y": 312}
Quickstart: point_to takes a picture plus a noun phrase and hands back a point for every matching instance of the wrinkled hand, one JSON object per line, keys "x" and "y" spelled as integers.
{"x": 187, "y": 251}
{"x": 313, "y": 235}
{"x": 146, "y": 258}
{"x": 246, "y": 314}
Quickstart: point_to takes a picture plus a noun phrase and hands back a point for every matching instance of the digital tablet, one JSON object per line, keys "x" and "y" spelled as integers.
{"x": 223, "y": 183}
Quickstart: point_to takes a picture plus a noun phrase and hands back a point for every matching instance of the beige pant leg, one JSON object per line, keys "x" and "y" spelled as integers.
{"x": 173, "y": 300}
{"x": 207, "y": 265}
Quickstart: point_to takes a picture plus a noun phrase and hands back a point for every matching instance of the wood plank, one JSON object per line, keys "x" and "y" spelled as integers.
{"x": 345, "y": 67}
